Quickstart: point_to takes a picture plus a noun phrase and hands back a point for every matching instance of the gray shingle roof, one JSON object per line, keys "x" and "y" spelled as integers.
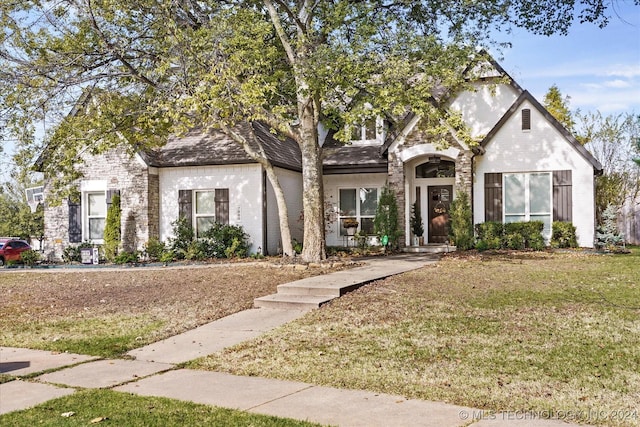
{"x": 199, "y": 148}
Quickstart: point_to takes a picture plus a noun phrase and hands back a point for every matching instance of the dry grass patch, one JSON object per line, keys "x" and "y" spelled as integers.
{"x": 107, "y": 312}
{"x": 548, "y": 333}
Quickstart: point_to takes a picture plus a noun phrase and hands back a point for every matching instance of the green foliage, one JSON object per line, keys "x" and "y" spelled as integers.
{"x": 225, "y": 241}
{"x": 183, "y": 236}
{"x": 125, "y": 257}
{"x": 514, "y": 235}
{"x": 558, "y": 106}
{"x": 461, "y": 223}
{"x": 417, "y": 226}
{"x": 607, "y": 235}
{"x": 563, "y": 235}
{"x": 112, "y": 229}
{"x": 385, "y": 223}
{"x": 72, "y": 253}
{"x": 297, "y": 246}
{"x": 30, "y": 257}
{"x": 167, "y": 257}
{"x": 154, "y": 249}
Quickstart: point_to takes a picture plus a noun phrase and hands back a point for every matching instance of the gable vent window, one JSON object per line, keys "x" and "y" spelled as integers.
{"x": 526, "y": 119}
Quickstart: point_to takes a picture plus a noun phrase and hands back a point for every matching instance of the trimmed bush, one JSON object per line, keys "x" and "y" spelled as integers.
{"x": 127, "y": 257}
{"x": 112, "y": 233}
{"x": 514, "y": 235}
{"x": 30, "y": 257}
{"x": 184, "y": 235}
{"x": 385, "y": 223}
{"x": 154, "y": 249}
{"x": 224, "y": 241}
{"x": 461, "y": 229}
{"x": 563, "y": 235}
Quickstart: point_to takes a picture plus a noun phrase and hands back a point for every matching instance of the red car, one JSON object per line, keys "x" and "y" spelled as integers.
{"x": 11, "y": 250}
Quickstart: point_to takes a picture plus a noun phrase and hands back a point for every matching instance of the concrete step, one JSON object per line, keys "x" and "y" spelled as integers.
{"x": 317, "y": 289}
{"x": 431, "y": 248}
{"x": 292, "y": 302}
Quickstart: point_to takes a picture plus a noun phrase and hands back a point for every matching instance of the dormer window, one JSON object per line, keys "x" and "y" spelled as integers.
{"x": 369, "y": 132}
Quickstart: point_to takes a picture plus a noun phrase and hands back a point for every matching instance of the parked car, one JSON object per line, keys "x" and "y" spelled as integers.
{"x": 11, "y": 250}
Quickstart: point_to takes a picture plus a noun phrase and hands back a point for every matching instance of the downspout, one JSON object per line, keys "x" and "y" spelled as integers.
{"x": 265, "y": 243}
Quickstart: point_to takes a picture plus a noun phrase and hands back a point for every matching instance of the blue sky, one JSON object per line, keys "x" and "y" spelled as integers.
{"x": 598, "y": 68}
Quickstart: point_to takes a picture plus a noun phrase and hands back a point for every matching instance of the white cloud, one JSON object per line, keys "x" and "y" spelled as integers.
{"x": 618, "y": 84}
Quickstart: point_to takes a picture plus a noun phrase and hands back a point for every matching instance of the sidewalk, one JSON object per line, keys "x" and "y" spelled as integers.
{"x": 153, "y": 372}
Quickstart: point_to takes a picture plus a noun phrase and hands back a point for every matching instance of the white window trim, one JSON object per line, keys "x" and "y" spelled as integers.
{"x": 527, "y": 193}
{"x": 86, "y": 216}
{"x": 358, "y": 215}
{"x": 378, "y": 140}
{"x": 194, "y": 204}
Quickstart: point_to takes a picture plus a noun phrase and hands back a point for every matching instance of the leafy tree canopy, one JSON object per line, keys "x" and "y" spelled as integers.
{"x": 155, "y": 67}
{"x": 558, "y": 106}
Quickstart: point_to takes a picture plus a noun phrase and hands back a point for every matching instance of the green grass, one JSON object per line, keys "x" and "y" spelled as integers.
{"x": 542, "y": 332}
{"x": 104, "y": 336}
{"x": 122, "y": 409}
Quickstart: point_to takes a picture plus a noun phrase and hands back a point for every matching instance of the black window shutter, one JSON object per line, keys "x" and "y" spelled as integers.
{"x": 222, "y": 205}
{"x": 493, "y": 197}
{"x": 526, "y": 119}
{"x": 185, "y": 205}
{"x": 562, "y": 200}
{"x": 75, "y": 221}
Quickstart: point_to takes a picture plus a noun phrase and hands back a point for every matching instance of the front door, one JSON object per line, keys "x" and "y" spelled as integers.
{"x": 439, "y": 204}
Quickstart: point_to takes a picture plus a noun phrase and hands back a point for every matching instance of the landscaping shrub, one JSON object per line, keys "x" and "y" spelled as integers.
{"x": 514, "y": 235}
{"x": 563, "y": 235}
{"x": 461, "y": 230}
{"x": 385, "y": 223}
{"x": 154, "y": 249}
{"x": 224, "y": 241}
{"x": 183, "y": 236}
{"x": 489, "y": 235}
{"x": 30, "y": 257}
{"x": 72, "y": 253}
{"x": 112, "y": 233}
{"x": 127, "y": 257}
{"x": 607, "y": 235}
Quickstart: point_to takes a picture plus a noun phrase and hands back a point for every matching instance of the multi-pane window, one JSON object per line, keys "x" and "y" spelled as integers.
{"x": 528, "y": 197}
{"x": 96, "y": 214}
{"x": 359, "y": 204}
{"x": 371, "y": 130}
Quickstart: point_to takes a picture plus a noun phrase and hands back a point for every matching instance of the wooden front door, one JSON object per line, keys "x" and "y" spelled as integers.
{"x": 439, "y": 204}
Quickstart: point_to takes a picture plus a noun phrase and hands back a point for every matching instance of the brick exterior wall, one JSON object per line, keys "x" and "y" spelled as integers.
{"x": 139, "y": 201}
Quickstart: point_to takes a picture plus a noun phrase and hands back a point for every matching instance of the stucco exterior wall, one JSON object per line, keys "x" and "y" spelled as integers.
{"x": 291, "y": 183}
{"x": 332, "y": 186}
{"x": 245, "y": 195}
{"x": 483, "y": 107}
{"x": 543, "y": 148}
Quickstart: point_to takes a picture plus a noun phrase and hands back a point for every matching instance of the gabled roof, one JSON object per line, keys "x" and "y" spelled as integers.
{"x": 200, "y": 148}
{"x": 526, "y": 96}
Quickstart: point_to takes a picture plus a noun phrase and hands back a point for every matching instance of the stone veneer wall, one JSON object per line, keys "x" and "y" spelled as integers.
{"x": 138, "y": 201}
{"x": 464, "y": 173}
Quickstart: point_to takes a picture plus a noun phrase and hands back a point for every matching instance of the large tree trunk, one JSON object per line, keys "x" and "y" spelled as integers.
{"x": 313, "y": 194}
{"x": 283, "y": 211}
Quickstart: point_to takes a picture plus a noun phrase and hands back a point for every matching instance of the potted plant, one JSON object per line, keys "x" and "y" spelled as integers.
{"x": 351, "y": 224}
{"x": 415, "y": 222}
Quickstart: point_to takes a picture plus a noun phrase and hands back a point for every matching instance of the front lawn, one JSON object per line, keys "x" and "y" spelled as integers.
{"x": 557, "y": 334}
{"x": 105, "y": 407}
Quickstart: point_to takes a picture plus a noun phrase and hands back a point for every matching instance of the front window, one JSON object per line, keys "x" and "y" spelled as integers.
{"x": 528, "y": 197}
{"x": 96, "y": 215}
{"x": 359, "y": 204}
{"x": 205, "y": 211}
{"x": 436, "y": 168}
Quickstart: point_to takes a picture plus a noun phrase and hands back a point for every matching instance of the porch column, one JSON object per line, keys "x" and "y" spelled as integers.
{"x": 397, "y": 184}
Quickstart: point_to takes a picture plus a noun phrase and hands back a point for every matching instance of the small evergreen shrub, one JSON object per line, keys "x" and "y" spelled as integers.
{"x": 183, "y": 236}
{"x": 461, "y": 223}
{"x": 607, "y": 235}
{"x": 112, "y": 233}
{"x": 385, "y": 223}
{"x": 220, "y": 237}
{"x": 154, "y": 249}
{"x": 127, "y": 258}
{"x": 563, "y": 235}
{"x": 489, "y": 235}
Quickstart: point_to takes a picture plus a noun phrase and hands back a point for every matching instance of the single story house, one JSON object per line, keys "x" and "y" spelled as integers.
{"x": 527, "y": 167}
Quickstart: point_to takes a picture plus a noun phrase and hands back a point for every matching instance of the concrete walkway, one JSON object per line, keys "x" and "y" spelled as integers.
{"x": 153, "y": 372}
